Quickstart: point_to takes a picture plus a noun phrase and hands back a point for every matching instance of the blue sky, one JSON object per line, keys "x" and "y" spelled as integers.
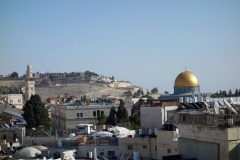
{"x": 145, "y": 42}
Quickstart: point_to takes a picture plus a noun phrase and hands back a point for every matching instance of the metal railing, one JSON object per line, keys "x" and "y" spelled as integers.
{"x": 222, "y": 120}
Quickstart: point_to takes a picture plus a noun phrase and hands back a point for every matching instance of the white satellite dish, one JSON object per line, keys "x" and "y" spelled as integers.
{"x": 229, "y": 107}
{"x": 7, "y": 125}
{"x": 216, "y": 107}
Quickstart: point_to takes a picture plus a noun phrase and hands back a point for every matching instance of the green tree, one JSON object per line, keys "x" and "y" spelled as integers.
{"x": 84, "y": 99}
{"x": 102, "y": 119}
{"x": 166, "y": 92}
{"x": 35, "y": 113}
{"x": 129, "y": 93}
{"x": 122, "y": 113}
{"x": 14, "y": 75}
{"x": 236, "y": 93}
{"x": 154, "y": 90}
{"x": 135, "y": 115}
{"x": 111, "y": 118}
{"x": 230, "y": 93}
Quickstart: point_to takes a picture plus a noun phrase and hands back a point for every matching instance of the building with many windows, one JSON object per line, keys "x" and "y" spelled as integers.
{"x": 69, "y": 115}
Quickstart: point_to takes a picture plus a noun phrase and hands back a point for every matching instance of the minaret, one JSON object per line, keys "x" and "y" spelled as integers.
{"x": 29, "y": 83}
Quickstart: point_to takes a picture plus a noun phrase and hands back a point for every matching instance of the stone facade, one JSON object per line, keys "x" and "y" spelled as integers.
{"x": 147, "y": 146}
{"x": 12, "y": 133}
{"x": 219, "y": 142}
{"x": 14, "y": 99}
{"x": 167, "y": 143}
{"x": 29, "y": 83}
{"x": 70, "y": 116}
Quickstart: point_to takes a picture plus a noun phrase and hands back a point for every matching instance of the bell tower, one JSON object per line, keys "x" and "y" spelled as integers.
{"x": 29, "y": 83}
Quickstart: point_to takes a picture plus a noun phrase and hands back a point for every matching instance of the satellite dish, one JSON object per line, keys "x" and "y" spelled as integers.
{"x": 7, "y": 125}
{"x": 216, "y": 107}
{"x": 229, "y": 107}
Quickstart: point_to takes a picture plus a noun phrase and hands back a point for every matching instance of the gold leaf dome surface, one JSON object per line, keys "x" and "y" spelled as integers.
{"x": 186, "y": 78}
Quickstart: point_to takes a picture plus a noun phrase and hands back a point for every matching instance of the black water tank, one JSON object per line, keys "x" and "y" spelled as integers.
{"x": 56, "y": 155}
{"x": 170, "y": 127}
{"x": 166, "y": 127}
{"x": 14, "y": 136}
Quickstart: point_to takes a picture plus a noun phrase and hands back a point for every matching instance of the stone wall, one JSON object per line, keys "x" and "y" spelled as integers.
{"x": 145, "y": 146}
{"x": 68, "y": 115}
{"x": 101, "y": 150}
{"x": 227, "y": 138}
{"x": 11, "y": 133}
{"x": 201, "y": 150}
{"x": 45, "y": 141}
{"x": 167, "y": 144}
{"x": 155, "y": 117}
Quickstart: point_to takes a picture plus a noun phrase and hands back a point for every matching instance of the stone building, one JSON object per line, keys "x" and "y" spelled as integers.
{"x": 209, "y": 136}
{"x": 154, "y": 114}
{"x": 11, "y": 134}
{"x": 13, "y": 99}
{"x": 69, "y": 115}
{"x": 29, "y": 83}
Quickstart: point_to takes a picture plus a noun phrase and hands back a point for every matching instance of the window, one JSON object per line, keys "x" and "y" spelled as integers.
{"x": 175, "y": 150}
{"x": 94, "y": 113}
{"x": 19, "y": 100}
{"x": 11, "y": 101}
{"x": 184, "y": 118}
{"x": 129, "y": 147}
{"x": 144, "y": 146}
{"x": 101, "y": 153}
{"x": 77, "y": 114}
{"x": 168, "y": 150}
{"x": 98, "y": 112}
{"x": 111, "y": 153}
{"x": 102, "y": 112}
{"x": 81, "y": 114}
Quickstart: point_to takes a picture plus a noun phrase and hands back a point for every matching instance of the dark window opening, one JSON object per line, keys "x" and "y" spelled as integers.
{"x": 168, "y": 150}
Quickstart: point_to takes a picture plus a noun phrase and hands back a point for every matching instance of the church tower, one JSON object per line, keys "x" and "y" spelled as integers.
{"x": 29, "y": 83}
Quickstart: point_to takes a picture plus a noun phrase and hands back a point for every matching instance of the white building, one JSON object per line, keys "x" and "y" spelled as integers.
{"x": 154, "y": 114}
{"x": 13, "y": 99}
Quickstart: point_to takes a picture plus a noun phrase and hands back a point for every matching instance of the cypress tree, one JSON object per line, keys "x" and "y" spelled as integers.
{"x": 122, "y": 113}
{"x": 236, "y": 93}
{"x": 35, "y": 113}
{"x": 230, "y": 93}
{"x": 111, "y": 118}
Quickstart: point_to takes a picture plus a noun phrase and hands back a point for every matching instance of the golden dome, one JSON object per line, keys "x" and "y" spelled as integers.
{"x": 186, "y": 78}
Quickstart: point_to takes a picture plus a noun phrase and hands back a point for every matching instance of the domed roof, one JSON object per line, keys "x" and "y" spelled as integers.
{"x": 186, "y": 78}
{"x": 27, "y": 152}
